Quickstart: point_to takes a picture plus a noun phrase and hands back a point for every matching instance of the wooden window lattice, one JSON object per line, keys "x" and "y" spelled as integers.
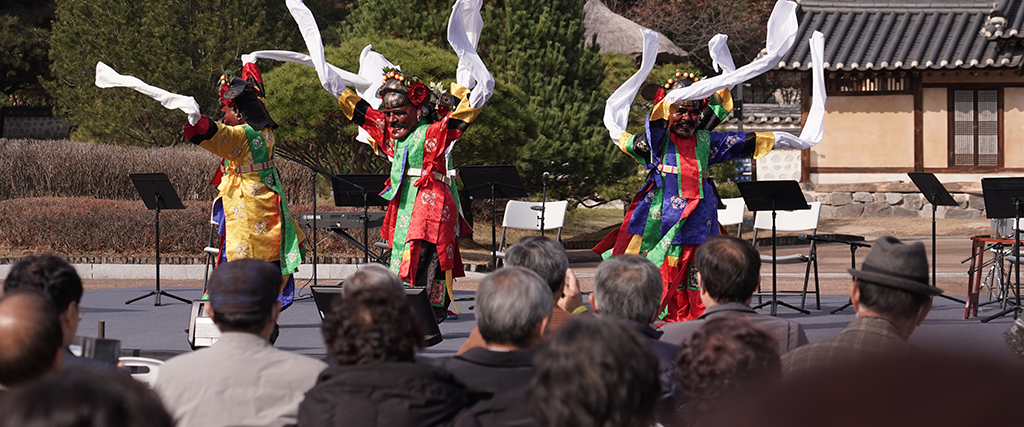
{"x": 976, "y": 127}
{"x": 868, "y": 83}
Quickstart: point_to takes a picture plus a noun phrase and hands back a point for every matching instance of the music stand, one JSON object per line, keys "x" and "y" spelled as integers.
{"x": 493, "y": 181}
{"x": 158, "y": 193}
{"x": 356, "y": 190}
{"x": 1004, "y": 198}
{"x": 937, "y": 195}
{"x": 324, "y": 297}
{"x": 774, "y": 196}
{"x": 853, "y": 262}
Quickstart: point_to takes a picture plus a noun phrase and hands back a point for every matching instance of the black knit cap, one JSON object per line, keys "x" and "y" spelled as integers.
{"x": 244, "y": 286}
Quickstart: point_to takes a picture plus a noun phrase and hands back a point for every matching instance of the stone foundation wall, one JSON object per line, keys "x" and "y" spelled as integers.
{"x": 857, "y": 204}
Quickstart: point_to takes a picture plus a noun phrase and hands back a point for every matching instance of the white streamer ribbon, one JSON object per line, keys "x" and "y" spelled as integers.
{"x": 782, "y": 27}
{"x": 814, "y": 127}
{"x": 106, "y": 77}
{"x": 330, "y": 79}
{"x": 464, "y": 28}
{"x": 721, "y": 57}
{"x": 616, "y": 109}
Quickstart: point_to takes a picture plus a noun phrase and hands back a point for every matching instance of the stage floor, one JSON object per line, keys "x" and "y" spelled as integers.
{"x": 159, "y": 331}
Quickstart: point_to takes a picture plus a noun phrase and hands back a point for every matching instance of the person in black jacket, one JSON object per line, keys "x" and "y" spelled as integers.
{"x": 627, "y": 288}
{"x": 513, "y": 309}
{"x": 372, "y": 335}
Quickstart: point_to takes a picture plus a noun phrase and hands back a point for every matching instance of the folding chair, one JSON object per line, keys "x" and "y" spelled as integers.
{"x": 803, "y": 220}
{"x": 732, "y": 214}
{"x": 152, "y": 368}
{"x": 526, "y": 216}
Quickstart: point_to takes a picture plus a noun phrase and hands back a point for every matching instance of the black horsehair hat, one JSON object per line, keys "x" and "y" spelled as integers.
{"x": 894, "y": 264}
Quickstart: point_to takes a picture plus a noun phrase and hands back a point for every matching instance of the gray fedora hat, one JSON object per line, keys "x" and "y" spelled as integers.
{"x": 894, "y": 264}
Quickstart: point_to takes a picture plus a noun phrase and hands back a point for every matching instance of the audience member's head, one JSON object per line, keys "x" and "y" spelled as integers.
{"x": 897, "y": 390}
{"x": 729, "y": 270}
{"x": 53, "y": 275}
{"x": 372, "y": 275}
{"x": 627, "y": 287}
{"x": 594, "y": 372}
{"x": 726, "y": 356}
{"x": 543, "y": 256}
{"x": 84, "y": 398}
{"x": 513, "y": 306}
{"x": 243, "y": 296}
{"x": 31, "y": 341}
{"x": 373, "y": 324}
{"x": 892, "y": 282}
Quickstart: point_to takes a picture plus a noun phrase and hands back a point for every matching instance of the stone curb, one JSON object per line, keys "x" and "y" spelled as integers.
{"x": 197, "y": 272}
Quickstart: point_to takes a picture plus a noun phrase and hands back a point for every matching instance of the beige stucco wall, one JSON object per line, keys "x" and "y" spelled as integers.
{"x": 1013, "y": 127}
{"x": 867, "y": 131}
{"x": 935, "y": 120}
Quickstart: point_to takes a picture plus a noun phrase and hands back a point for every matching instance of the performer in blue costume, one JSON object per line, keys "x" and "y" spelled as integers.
{"x": 676, "y": 209}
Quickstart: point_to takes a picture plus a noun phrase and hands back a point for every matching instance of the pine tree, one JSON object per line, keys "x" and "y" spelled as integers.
{"x": 182, "y": 46}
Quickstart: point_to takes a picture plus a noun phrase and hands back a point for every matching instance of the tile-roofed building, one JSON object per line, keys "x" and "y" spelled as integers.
{"x": 877, "y": 35}
{"x": 915, "y": 86}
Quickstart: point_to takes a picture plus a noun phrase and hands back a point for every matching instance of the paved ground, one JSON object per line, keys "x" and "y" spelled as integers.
{"x": 158, "y": 331}
{"x": 833, "y": 260}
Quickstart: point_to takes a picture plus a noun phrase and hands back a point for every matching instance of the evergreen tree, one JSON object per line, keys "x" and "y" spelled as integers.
{"x": 182, "y": 46}
{"x": 24, "y": 35}
{"x": 538, "y": 45}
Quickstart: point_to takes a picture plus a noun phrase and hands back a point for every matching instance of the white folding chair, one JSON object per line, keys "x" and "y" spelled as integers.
{"x": 526, "y": 216}
{"x": 802, "y": 220}
{"x": 732, "y": 214}
{"x": 152, "y": 368}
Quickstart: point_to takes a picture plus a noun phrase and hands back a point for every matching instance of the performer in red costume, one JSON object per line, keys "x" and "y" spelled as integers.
{"x": 416, "y": 128}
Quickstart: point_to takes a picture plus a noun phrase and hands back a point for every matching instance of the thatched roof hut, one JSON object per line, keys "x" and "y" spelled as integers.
{"x": 617, "y": 34}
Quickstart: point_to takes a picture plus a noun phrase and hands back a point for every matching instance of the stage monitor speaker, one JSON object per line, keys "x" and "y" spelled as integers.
{"x": 103, "y": 349}
{"x": 201, "y": 330}
{"x": 418, "y": 296}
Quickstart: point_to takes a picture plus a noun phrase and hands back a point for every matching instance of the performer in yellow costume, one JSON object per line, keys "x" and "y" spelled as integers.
{"x": 255, "y": 222}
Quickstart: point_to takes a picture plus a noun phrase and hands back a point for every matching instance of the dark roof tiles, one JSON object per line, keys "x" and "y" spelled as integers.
{"x": 877, "y": 35}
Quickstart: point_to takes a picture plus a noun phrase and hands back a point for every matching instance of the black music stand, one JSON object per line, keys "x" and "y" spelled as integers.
{"x": 493, "y": 181}
{"x": 324, "y": 297}
{"x": 1004, "y": 198}
{"x": 158, "y": 193}
{"x": 363, "y": 190}
{"x": 853, "y": 261}
{"x": 774, "y": 196}
{"x": 937, "y": 195}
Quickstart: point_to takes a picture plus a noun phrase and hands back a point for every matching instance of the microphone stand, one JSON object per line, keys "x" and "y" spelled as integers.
{"x": 543, "y": 201}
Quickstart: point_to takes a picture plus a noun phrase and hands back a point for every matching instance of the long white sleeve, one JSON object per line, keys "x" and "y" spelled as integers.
{"x": 814, "y": 127}
{"x": 782, "y": 28}
{"x": 300, "y": 58}
{"x": 616, "y": 109}
{"x": 106, "y": 77}
{"x": 721, "y": 56}
{"x": 329, "y": 78}
{"x": 464, "y": 28}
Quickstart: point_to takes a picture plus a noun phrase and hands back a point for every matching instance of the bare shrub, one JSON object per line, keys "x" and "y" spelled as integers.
{"x": 80, "y": 226}
{"x": 76, "y": 226}
{"x": 65, "y": 168}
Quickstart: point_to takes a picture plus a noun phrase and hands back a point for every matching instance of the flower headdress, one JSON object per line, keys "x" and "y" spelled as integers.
{"x": 679, "y": 80}
{"x": 398, "y": 90}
